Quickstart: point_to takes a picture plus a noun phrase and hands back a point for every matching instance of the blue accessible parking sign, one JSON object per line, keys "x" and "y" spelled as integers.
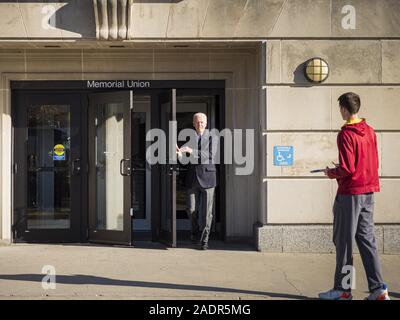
{"x": 283, "y": 155}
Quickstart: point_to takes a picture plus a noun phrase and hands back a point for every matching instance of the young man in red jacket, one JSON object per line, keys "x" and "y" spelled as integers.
{"x": 358, "y": 179}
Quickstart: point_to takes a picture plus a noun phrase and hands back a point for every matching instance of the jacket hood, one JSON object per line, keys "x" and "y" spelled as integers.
{"x": 358, "y": 128}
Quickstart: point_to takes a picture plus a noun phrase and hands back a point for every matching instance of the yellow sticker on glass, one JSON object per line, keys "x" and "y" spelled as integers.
{"x": 59, "y": 152}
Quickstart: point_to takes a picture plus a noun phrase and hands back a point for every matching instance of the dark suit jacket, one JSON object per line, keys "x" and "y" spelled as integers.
{"x": 205, "y": 170}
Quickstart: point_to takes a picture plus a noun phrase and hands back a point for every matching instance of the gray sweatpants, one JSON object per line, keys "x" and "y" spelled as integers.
{"x": 200, "y": 210}
{"x": 353, "y": 220}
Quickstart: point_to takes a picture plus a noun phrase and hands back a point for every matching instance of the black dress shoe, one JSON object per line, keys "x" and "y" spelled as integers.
{"x": 204, "y": 246}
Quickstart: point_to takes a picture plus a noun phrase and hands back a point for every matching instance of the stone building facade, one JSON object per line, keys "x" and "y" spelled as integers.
{"x": 258, "y": 47}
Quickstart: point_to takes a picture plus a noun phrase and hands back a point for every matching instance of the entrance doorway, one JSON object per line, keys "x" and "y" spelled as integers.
{"x": 49, "y": 193}
{"x": 80, "y": 169}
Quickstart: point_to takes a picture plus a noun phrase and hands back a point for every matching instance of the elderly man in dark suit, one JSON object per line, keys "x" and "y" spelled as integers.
{"x": 201, "y": 180}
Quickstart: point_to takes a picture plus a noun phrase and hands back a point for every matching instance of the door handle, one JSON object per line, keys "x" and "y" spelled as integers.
{"x": 76, "y": 166}
{"x": 122, "y": 169}
{"x": 140, "y": 167}
{"x": 173, "y": 168}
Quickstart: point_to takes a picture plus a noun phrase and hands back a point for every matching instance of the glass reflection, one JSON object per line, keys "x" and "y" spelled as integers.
{"x": 49, "y": 199}
{"x": 109, "y": 151}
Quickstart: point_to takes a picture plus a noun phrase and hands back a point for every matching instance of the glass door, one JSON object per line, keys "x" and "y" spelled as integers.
{"x": 141, "y": 175}
{"x": 187, "y": 105}
{"x": 47, "y": 167}
{"x": 168, "y": 170}
{"x": 110, "y": 166}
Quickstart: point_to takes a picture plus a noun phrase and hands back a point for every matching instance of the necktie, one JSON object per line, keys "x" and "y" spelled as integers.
{"x": 199, "y": 147}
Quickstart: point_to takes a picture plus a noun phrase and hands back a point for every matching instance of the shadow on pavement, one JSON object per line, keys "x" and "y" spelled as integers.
{"x": 183, "y": 244}
{"x": 80, "y": 279}
{"x": 137, "y": 245}
{"x": 218, "y": 245}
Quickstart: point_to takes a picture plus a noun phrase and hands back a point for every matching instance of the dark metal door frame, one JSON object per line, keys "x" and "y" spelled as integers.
{"x": 95, "y": 234}
{"x": 182, "y": 87}
{"x": 219, "y": 94}
{"x": 164, "y": 179}
{"x": 20, "y": 101}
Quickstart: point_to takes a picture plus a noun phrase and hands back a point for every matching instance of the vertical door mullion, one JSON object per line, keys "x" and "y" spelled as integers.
{"x": 85, "y": 167}
{"x": 75, "y": 180}
{"x": 127, "y": 179}
{"x": 92, "y": 159}
{"x": 173, "y": 182}
{"x": 20, "y": 175}
{"x": 167, "y": 209}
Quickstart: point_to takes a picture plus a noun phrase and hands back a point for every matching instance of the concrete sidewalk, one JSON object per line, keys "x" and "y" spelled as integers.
{"x": 153, "y": 271}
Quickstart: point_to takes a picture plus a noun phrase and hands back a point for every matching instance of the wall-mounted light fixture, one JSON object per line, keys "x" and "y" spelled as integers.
{"x": 316, "y": 70}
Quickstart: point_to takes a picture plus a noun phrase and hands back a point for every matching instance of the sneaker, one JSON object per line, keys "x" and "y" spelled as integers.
{"x": 379, "y": 294}
{"x": 335, "y": 295}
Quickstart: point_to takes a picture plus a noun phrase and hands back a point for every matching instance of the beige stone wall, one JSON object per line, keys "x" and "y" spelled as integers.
{"x": 266, "y": 89}
{"x": 238, "y": 66}
{"x": 307, "y": 117}
{"x": 10, "y": 61}
{"x": 202, "y": 19}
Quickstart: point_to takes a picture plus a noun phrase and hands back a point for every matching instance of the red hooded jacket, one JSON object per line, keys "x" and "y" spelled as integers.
{"x": 357, "y": 172}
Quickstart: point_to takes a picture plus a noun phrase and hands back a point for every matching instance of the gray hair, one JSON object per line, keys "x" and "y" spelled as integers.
{"x": 198, "y": 115}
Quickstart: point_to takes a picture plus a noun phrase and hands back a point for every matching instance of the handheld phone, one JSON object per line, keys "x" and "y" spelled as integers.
{"x": 317, "y": 170}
